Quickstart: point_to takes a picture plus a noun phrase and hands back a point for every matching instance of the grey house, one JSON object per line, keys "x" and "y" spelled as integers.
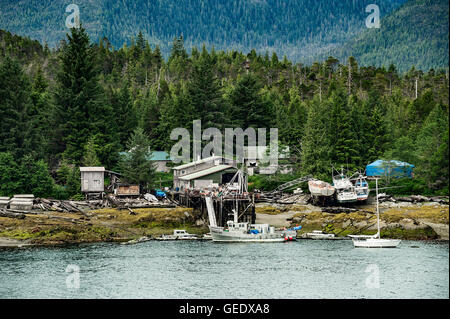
{"x": 205, "y": 173}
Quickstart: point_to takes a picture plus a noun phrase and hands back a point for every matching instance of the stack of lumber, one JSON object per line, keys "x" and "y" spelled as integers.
{"x": 4, "y": 202}
{"x": 22, "y": 202}
{"x": 66, "y": 206}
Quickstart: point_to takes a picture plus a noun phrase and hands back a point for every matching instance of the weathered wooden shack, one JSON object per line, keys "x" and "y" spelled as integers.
{"x": 92, "y": 179}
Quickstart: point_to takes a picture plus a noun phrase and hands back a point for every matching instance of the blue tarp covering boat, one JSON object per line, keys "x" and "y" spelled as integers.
{"x": 391, "y": 168}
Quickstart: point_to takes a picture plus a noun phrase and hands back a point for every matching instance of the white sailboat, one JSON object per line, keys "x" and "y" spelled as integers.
{"x": 374, "y": 241}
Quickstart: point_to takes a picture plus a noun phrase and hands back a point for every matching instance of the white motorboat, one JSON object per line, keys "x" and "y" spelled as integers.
{"x": 207, "y": 236}
{"x": 374, "y": 241}
{"x": 318, "y": 234}
{"x": 178, "y": 234}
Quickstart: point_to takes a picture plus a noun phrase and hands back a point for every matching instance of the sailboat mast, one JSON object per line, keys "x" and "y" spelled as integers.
{"x": 378, "y": 211}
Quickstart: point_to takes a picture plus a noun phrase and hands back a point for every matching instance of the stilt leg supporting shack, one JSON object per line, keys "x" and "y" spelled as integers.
{"x": 223, "y": 207}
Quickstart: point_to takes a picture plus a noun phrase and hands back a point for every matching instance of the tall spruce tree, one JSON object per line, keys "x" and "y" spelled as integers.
{"x": 344, "y": 148}
{"x": 80, "y": 107}
{"x": 16, "y": 134}
{"x": 315, "y": 158}
{"x": 204, "y": 93}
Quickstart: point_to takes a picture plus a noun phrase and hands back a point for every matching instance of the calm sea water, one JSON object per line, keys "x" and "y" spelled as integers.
{"x": 302, "y": 269}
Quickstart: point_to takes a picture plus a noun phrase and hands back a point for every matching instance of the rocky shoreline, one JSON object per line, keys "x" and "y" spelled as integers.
{"x": 424, "y": 220}
{"x": 414, "y": 218}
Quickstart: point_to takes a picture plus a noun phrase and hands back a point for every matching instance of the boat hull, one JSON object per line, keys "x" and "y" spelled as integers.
{"x": 376, "y": 243}
{"x": 219, "y": 235}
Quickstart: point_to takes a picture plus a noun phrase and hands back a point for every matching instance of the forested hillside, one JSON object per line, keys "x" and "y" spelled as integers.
{"x": 299, "y": 29}
{"x": 415, "y": 34}
{"x": 81, "y": 104}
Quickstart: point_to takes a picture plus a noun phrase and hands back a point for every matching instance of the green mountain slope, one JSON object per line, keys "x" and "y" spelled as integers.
{"x": 300, "y": 29}
{"x": 414, "y": 35}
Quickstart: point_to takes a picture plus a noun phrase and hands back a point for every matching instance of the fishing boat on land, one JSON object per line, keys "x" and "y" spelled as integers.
{"x": 320, "y": 188}
{"x": 374, "y": 241}
{"x": 345, "y": 190}
{"x": 361, "y": 187}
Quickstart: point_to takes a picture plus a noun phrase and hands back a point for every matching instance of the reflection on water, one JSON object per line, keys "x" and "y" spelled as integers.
{"x": 302, "y": 269}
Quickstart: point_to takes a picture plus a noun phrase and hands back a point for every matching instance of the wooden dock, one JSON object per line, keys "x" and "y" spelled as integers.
{"x": 223, "y": 205}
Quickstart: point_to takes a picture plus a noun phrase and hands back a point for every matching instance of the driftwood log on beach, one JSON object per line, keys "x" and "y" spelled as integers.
{"x": 6, "y": 213}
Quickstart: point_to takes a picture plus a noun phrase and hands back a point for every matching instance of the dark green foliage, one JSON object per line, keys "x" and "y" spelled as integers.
{"x": 73, "y": 187}
{"x": 248, "y": 107}
{"x": 80, "y": 105}
{"x": 35, "y": 178}
{"x": 16, "y": 135}
{"x": 298, "y": 29}
{"x": 135, "y": 166}
{"x": 433, "y": 150}
{"x": 414, "y": 35}
{"x": 9, "y": 179}
{"x": 29, "y": 177}
{"x": 205, "y": 98}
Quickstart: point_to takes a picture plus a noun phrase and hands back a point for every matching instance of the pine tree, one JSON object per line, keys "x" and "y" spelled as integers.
{"x": 433, "y": 149}
{"x": 9, "y": 179}
{"x": 80, "y": 107}
{"x": 205, "y": 95}
{"x": 315, "y": 156}
{"x": 16, "y": 135}
{"x": 344, "y": 148}
{"x": 135, "y": 165}
{"x": 248, "y": 108}
{"x": 90, "y": 157}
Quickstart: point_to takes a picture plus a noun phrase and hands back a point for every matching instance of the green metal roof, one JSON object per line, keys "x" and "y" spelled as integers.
{"x": 156, "y": 156}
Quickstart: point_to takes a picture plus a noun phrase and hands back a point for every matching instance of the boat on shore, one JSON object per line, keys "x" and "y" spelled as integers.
{"x": 320, "y": 188}
{"x": 361, "y": 188}
{"x": 345, "y": 190}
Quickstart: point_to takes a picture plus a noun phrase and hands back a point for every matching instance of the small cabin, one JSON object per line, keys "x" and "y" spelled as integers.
{"x": 92, "y": 179}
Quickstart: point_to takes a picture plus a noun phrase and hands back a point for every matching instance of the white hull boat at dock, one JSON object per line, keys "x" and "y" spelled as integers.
{"x": 244, "y": 232}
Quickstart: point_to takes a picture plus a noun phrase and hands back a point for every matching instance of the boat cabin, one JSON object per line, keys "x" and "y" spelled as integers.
{"x": 250, "y": 228}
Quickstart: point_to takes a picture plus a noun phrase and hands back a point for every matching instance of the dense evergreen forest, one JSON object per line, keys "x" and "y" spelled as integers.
{"x": 299, "y": 29}
{"x": 83, "y": 103}
{"x": 415, "y": 34}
